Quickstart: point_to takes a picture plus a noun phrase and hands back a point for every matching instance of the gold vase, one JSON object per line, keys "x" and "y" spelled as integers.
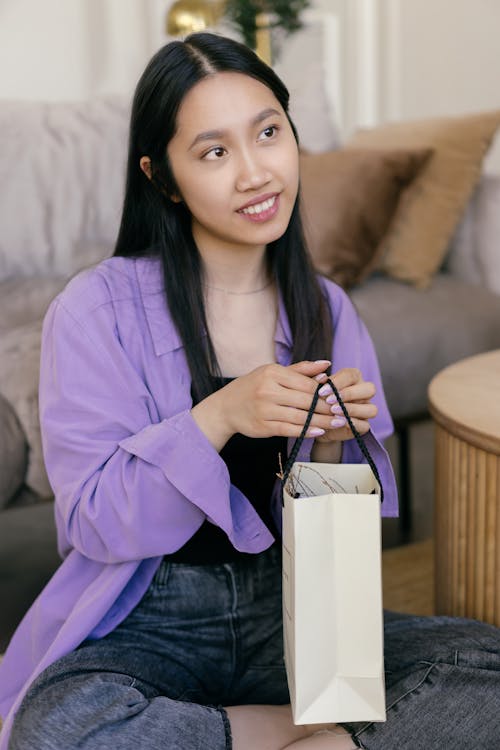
{"x": 188, "y": 16}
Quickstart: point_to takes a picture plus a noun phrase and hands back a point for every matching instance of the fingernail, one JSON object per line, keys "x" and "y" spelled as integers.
{"x": 315, "y": 432}
{"x": 325, "y": 390}
{"x": 338, "y": 422}
{"x": 331, "y": 399}
{"x": 322, "y": 376}
{"x": 336, "y": 409}
{"x": 325, "y": 362}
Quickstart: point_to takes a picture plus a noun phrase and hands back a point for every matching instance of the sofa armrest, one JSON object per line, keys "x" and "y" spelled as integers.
{"x": 13, "y": 453}
{"x": 475, "y": 250}
{"x": 28, "y": 558}
{"x": 19, "y": 372}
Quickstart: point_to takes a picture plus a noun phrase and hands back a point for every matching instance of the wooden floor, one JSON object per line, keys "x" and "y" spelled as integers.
{"x": 408, "y": 578}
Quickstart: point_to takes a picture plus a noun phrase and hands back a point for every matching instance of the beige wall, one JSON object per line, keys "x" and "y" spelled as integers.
{"x": 439, "y": 57}
{"x": 445, "y": 57}
{"x": 72, "y": 49}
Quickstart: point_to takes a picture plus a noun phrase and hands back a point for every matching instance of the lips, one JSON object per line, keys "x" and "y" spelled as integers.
{"x": 261, "y": 211}
{"x": 258, "y": 201}
{"x": 259, "y": 208}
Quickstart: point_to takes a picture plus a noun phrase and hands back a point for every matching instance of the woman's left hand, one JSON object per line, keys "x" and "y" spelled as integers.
{"x": 356, "y": 394}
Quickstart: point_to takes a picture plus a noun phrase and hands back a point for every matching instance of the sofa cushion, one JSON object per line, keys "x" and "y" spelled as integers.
{"x": 474, "y": 255}
{"x": 348, "y": 200}
{"x": 19, "y": 373}
{"x": 65, "y": 168}
{"x": 431, "y": 207}
{"x": 418, "y": 332}
{"x": 13, "y": 452}
{"x": 25, "y": 301}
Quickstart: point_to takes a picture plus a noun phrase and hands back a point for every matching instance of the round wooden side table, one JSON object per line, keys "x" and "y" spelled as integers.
{"x": 464, "y": 401}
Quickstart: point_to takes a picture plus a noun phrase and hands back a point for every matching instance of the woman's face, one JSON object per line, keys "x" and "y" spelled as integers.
{"x": 235, "y": 161}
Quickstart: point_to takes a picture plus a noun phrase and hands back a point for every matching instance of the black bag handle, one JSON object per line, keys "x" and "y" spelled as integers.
{"x": 361, "y": 443}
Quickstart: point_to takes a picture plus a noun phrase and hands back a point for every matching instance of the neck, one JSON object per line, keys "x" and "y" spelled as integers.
{"x": 237, "y": 272}
{"x": 240, "y": 293}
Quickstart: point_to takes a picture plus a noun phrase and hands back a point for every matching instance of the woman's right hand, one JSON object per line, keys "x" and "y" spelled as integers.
{"x": 272, "y": 400}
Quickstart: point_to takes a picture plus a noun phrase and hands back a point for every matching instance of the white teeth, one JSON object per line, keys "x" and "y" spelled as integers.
{"x": 259, "y": 207}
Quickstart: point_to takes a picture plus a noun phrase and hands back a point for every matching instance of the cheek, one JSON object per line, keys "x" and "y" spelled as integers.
{"x": 203, "y": 197}
{"x": 191, "y": 182}
{"x": 291, "y": 160}
{"x": 294, "y": 179}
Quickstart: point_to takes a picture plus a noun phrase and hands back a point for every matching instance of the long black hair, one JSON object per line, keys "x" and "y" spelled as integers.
{"x": 154, "y": 225}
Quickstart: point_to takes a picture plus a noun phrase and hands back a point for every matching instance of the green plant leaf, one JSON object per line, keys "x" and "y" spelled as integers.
{"x": 284, "y": 14}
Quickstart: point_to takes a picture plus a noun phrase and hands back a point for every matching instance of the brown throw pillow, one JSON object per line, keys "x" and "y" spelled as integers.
{"x": 430, "y": 208}
{"x": 348, "y": 200}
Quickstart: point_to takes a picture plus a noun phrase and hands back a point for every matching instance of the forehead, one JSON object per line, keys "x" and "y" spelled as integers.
{"x": 223, "y": 100}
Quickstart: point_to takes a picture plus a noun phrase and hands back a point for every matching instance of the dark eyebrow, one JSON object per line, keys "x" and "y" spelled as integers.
{"x": 212, "y": 135}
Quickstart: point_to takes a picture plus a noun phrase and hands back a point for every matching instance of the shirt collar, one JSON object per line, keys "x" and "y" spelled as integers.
{"x": 164, "y": 334}
{"x": 161, "y": 327}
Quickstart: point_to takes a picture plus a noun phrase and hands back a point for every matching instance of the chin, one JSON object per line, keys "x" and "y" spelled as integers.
{"x": 276, "y": 233}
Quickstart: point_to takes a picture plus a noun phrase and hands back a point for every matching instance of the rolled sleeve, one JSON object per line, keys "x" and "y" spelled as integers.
{"x": 128, "y": 484}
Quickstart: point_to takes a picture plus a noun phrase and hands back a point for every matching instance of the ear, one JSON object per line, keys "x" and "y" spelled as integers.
{"x": 145, "y": 165}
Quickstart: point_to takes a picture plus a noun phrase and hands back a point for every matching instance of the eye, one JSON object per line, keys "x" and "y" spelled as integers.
{"x": 217, "y": 152}
{"x": 268, "y": 133}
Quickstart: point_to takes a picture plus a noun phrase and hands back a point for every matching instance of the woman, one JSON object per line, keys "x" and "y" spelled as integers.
{"x": 172, "y": 376}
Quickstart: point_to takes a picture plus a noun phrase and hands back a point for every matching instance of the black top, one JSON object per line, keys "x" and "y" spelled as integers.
{"x": 252, "y": 464}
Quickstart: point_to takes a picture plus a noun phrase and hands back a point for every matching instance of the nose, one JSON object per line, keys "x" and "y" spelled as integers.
{"x": 252, "y": 171}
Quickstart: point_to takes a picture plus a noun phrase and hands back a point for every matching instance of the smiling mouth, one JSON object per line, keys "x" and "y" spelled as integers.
{"x": 259, "y": 208}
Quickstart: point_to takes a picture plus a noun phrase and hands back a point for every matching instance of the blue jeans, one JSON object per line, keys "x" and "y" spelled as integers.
{"x": 442, "y": 677}
{"x": 204, "y": 637}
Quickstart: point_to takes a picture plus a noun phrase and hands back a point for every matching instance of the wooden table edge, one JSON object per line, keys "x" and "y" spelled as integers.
{"x": 470, "y": 435}
{"x": 465, "y": 431}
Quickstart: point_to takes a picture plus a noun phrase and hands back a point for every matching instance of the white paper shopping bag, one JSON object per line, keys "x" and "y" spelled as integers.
{"x": 332, "y": 592}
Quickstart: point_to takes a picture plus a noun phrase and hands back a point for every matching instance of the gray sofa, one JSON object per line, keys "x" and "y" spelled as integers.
{"x": 63, "y": 165}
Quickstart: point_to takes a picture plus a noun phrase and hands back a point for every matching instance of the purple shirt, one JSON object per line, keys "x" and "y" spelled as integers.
{"x": 133, "y": 475}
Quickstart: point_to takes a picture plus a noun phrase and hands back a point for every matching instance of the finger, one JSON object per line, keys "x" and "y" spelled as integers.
{"x": 358, "y": 410}
{"x": 289, "y": 377}
{"x": 289, "y": 415}
{"x": 359, "y": 393}
{"x": 290, "y": 422}
{"x": 344, "y": 433}
{"x": 285, "y": 429}
{"x": 342, "y": 379}
{"x": 300, "y": 400}
{"x": 347, "y": 376}
{"x": 364, "y": 391}
{"x": 272, "y": 379}
{"x": 312, "y": 369}
{"x": 361, "y": 425}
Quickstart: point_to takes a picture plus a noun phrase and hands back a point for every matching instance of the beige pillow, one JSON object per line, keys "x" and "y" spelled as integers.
{"x": 348, "y": 200}
{"x": 431, "y": 206}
